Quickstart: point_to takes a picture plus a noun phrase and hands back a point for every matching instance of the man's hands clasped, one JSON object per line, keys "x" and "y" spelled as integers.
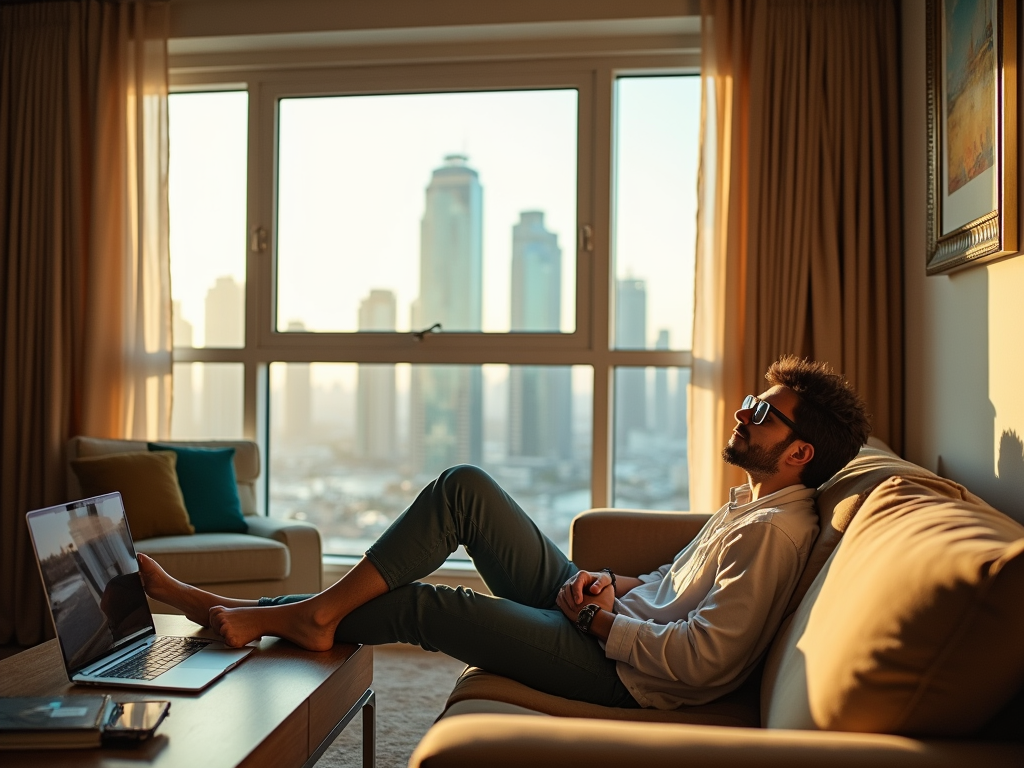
{"x": 584, "y": 588}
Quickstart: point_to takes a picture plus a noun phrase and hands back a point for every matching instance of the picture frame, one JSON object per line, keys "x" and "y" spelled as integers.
{"x": 972, "y": 132}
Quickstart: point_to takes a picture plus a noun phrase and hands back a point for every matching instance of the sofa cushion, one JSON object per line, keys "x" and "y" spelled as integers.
{"x": 739, "y": 708}
{"x": 247, "y": 460}
{"x": 213, "y": 558}
{"x": 207, "y": 479}
{"x": 914, "y": 624}
{"x": 149, "y": 490}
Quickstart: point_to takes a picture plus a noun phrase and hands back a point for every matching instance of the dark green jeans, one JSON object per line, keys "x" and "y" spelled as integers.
{"x": 518, "y": 632}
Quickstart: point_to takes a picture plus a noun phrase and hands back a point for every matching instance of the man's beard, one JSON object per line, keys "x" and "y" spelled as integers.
{"x": 757, "y": 461}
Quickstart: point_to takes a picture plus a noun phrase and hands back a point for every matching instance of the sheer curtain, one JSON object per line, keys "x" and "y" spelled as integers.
{"x": 85, "y": 334}
{"x": 798, "y": 225}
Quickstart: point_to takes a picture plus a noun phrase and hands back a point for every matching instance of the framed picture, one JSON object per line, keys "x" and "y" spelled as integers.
{"x": 972, "y": 132}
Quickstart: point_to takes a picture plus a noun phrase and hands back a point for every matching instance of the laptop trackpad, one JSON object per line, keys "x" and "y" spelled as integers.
{"x": 215, "y": 656}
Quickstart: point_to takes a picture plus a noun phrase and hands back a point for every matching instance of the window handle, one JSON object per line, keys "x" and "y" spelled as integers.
{"x": 258, "y": 241}
{"x": 421, "y": 334}
{"x": 587, "y": 238}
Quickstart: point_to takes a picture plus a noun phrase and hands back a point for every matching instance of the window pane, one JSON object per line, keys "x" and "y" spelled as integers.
{"x": 207, "y": 401}
{"x": 650, "y": 438}
{"x": 657, "y": 132}
{"x": 207, "y": 193}
{"x": 454, "y": 208}
{"x": 352, "y": 445}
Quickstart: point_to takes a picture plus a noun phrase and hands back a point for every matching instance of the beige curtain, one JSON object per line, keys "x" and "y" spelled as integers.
{"x": 85, "y": 277}
{"x": 798, "y": 225}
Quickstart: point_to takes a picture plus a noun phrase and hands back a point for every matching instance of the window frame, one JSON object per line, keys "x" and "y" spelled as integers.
{"x": 590, "y": 344}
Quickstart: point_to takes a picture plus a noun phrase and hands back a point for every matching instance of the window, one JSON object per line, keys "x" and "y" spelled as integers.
{"x": 352, "y": 445}
{"x": 207, "y": 198}
{"x": 655, "y": 202}
{"x": 436, "y": 202}
{"x": 401, "y": 268}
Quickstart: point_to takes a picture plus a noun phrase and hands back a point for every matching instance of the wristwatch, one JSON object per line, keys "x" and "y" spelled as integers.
{"x": 586, "y": 616}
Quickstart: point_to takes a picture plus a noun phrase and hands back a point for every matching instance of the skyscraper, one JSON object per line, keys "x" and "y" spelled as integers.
{"x": 225, "y": 313}
{"x": 662, "y": 416}
{"x": 183, "y": 417}
{"x": 222, "y": 382}
{"x": 631, "y": 383}
{"x": 536, "y": 275}
{"x": 540, "y": 397}
{"x": 375, "y": 394}
{"x": 447, "y": 401}
{"x": 451, "y": 248}
{"x": 298, "y": 394}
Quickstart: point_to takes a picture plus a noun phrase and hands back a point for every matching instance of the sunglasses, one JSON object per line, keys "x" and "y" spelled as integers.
{"x": 763, "y": 408}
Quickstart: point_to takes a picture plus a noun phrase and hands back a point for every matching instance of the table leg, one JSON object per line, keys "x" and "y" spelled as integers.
{"x": 368, "y": 703}
{"x": 370, "y": 731}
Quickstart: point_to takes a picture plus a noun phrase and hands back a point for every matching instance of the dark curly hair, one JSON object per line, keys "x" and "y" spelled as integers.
{"x": 831, "y": 415}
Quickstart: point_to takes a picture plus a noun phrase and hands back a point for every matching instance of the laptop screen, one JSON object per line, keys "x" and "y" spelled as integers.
{"x": 91, "y": 576}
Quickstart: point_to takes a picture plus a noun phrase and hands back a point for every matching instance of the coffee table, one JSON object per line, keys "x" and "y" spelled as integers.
{"x": 282, "y": 706}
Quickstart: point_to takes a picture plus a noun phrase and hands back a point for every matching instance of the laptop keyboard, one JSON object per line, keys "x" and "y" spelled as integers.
{"x": 164, "y": 653}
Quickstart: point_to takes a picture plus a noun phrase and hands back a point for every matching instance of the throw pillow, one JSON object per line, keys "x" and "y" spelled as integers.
{"x": 207, "y": 479}
{"x": 149, "y": 489}
{"x": 913, "y": 626}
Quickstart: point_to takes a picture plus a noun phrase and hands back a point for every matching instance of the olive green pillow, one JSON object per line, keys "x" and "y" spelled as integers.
{"x": 148, "y": 483}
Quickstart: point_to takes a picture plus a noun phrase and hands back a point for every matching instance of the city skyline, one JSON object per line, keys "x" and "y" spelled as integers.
{"x": 345, "y": 462}
{"x": 379, "y": 232}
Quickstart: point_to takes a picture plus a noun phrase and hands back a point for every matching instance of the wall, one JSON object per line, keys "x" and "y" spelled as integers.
{"x": 964, "y": 351}
{"x": 232, "y": 18}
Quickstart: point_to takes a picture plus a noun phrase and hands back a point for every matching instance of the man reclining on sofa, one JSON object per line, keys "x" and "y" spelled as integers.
{"x": 685, "y": 634}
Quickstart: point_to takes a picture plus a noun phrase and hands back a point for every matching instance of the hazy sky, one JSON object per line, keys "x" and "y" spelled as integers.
{"x": 351, "y": 188}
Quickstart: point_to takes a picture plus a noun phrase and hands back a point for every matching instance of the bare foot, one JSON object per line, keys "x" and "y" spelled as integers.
{"x": 308, "y": 624}
{"x": 195, "y": 603}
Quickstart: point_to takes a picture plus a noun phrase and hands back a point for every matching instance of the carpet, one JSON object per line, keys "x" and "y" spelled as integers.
{"x": 412, "y": 686}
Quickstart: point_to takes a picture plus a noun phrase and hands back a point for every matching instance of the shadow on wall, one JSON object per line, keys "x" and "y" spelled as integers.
{"x": 1008, "y": 489}
{"x": 969, "y": 413}
{"x": 1005, "y": 489}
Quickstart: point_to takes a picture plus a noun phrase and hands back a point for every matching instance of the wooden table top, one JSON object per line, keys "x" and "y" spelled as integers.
{"x": 275, "y": 708}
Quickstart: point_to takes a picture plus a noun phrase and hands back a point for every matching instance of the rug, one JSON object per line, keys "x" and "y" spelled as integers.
{"x": 412, "y": 686}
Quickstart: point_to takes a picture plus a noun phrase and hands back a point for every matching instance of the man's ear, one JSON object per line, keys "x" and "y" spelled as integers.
{"x": 800, "y": 453}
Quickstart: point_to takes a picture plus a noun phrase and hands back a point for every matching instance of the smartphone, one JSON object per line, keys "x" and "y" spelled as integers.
{"x": 135, "y": 720}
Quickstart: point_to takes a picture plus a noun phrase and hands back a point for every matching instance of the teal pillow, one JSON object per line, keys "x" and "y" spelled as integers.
{"x": 207, "y": 480}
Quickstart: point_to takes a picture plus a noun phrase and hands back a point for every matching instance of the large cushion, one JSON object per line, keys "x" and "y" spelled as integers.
{"x": 149, "y": 490}
{"x": 840, "y": 498}
{"x": 913, "y": 626}
{"x": 219, "y": 557}
{"x": 207, "y": 479}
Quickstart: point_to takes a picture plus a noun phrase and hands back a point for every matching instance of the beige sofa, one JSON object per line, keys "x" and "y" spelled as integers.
{"x": 904, "y": 645}
{"x": 274, "y": 557}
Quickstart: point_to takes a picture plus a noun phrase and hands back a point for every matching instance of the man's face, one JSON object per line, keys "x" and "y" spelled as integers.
{"x": 757, "y": 448}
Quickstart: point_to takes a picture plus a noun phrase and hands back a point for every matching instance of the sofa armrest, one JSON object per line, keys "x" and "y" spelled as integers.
{"x": 630, "y": 541}
{"x": 517, "y": 740}
{"x": 302, "y": 540}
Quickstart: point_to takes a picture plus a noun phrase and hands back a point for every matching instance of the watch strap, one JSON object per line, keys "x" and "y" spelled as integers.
{"x": 586, "y": 617}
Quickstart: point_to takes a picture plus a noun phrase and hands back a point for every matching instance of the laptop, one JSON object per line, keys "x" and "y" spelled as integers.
{"x": 90, "y": 573}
